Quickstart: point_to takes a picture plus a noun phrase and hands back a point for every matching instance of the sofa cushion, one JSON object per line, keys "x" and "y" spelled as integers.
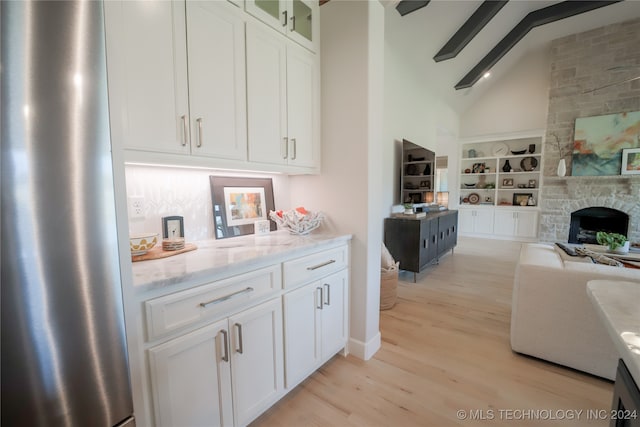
{"x": 540, "y": 255}
{"x": 600, "y": 271}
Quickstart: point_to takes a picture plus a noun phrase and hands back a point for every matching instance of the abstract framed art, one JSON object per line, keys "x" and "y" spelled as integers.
{"x": 600, "y": 140}
{"x": 238, "y": 203}
{"x": 630, "y": 161}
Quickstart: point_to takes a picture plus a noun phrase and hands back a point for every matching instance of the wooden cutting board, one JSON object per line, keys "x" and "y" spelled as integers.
{"x": 157, "y": 252}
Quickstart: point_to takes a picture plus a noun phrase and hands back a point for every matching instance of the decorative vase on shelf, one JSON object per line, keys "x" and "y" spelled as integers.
{"x": 506, "y": 167}
{"x": 532, "y": 148}
{"x": 427, "y": 170}
{"x": 562, "y": 167}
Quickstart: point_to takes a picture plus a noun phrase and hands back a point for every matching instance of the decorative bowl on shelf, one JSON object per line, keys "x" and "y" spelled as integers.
{"x": 141, "y": 243}
{"x": 518, "y": 152}
{"x": 297, "y": 221}
{"x": 469, "y": 185}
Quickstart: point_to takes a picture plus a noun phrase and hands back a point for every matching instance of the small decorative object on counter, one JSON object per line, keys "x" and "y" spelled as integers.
{"x": 173, "y": 244}
{"x": 298, "y": 220}
{"x": 172, "y": 227}
{"x": 261, "y": 227}
{"x": 141, "y": 243}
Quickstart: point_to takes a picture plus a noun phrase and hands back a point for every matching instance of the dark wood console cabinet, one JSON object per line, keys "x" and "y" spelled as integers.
{"x": 417, "y": 243}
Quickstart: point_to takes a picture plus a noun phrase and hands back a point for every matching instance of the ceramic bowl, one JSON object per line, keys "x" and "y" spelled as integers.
{"x": 517, "y": 153}
{"x": 141, "y": 243}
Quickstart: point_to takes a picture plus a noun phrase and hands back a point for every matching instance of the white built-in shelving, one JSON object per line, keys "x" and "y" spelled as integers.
{"x": 500, "y": 178}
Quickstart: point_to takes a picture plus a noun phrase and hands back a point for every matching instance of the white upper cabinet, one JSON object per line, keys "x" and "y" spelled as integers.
{"x": 282, "y": 101}
{"x": 301, "y": 104}
{"x": 163, "y": 102}
{"x": 147, "y": 63}
{"x": 217, "y": 94}
{"x": 298, "y": 19}
{"x": 267, "y": 96}
{"x": 204, "y": 83}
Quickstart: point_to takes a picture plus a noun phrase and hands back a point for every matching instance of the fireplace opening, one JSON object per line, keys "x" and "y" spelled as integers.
{"x": 585, "y": 223}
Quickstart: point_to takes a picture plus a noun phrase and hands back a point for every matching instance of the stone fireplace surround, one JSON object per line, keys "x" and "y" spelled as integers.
{"x": 580, "y": 62}
{"x": 562, "y": 196}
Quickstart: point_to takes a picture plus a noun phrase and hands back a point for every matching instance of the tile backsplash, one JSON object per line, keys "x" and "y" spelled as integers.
{"x": 186, "y": 192}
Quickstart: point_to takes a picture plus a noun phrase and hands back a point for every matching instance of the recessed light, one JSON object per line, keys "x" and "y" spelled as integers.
{"x": 487, "y": 75}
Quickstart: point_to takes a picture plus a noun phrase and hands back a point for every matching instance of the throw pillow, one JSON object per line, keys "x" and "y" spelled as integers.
{"x": 567, "y": 249}
{"x": 599, "y": 258}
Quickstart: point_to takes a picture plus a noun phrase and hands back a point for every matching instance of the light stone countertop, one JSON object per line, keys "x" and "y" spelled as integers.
{"x": 618, "y": 305}
{"x": 217, "y": 258}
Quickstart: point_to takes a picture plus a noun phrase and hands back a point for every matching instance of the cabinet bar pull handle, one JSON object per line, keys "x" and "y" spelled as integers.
{"x": 293, "y": 23}
{"x": 225, "y": 344}
{"x": 294, "y": 148}
{"x": 315, "y": 267}
{"x": 199, "y": 121}
{"x": 185, "y": 130}
{"x": 424, "y": 243}
{"x": 328, "y": 287}
{"x": 284, "y": 23}
{"x": 239, "y": 327}
{"x": 284, "y": 148}
{"x": 321, "y": 299}
{"x": 226, "y": 297}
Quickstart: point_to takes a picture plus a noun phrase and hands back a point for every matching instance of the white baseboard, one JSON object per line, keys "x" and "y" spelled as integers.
{"x": 365, "y": 351}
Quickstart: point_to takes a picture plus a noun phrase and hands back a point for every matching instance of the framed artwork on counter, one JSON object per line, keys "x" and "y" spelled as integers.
{"x": 238, "y": 203}
{"x": 172, "y": 227}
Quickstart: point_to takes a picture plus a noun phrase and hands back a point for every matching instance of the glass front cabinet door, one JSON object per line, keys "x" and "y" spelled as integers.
{"x": 298, "y": 19}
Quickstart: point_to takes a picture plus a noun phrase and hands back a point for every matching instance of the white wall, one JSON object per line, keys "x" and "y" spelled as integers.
{"x": 517, "y": 102}
{"x": 411, "y": 111}
{"x": 349, "y": 188}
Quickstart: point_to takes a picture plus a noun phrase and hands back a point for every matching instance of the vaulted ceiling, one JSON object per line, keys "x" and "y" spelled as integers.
{"x": 453, "y": 43}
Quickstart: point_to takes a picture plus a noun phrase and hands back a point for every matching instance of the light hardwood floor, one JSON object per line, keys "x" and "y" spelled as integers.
{"x": 445, "y": 348}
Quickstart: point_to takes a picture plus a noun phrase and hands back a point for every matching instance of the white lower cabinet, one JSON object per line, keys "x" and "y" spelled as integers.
{"x": 512, "y": 223}
{"x": 191, "y": 379}
{"x": 315, "y": 325}
{"x": 221, "y": 353}
{"x": 475, "y": 221}
{"x": 226, "y": 371}
{"x": 256, "y": 360}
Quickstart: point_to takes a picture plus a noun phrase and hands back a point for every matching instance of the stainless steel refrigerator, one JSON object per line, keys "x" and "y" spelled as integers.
{"x": 63, "y": 354}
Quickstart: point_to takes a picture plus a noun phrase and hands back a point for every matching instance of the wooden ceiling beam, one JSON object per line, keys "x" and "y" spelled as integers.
{"x": 534, "y": 19}
{"x": 407, "y": 6}
{"x": 476, "y": 22}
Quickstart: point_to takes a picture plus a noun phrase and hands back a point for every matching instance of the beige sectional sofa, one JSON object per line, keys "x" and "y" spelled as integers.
{"x": 552, "y": 317}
